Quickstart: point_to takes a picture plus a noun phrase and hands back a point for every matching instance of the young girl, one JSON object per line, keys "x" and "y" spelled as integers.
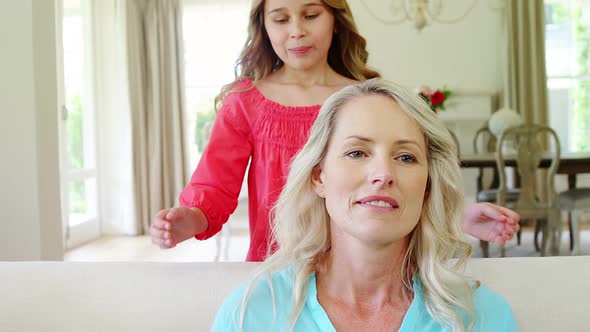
{"x": 298, "y": 53}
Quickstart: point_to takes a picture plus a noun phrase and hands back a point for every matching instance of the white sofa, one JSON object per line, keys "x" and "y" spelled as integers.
{"x": 546, "y": 294}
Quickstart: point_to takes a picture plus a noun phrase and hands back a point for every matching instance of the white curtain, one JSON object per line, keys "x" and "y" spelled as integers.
{"x": 140, "y": 101}
{"x": 155, "y": 67}
{"x": 115, "y": 171}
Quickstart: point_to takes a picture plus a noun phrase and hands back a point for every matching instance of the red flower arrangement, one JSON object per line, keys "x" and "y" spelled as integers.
{"x": 435, "y": 99}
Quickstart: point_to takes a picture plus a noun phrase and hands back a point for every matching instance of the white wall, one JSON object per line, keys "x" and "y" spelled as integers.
{"x": 30, "y": 226}
{"x": 466, "y": 56}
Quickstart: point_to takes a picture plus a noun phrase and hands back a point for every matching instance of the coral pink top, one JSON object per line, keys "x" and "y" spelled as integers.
{"x": 247, "y": 126}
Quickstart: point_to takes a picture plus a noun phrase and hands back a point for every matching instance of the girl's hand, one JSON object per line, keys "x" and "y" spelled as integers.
{"x": 490, "y": 222}
{"x": 172, "y": 226}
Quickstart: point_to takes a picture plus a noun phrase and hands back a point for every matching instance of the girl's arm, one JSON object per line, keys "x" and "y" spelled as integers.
{"x": 216, "y": 183}
{"x": 171, "y": 226}
{"x": 490, "y": 222}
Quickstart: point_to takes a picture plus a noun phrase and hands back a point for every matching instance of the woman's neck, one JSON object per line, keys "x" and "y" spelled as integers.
{"x": 358, "y": 276}
{"x": 323, "y": 76}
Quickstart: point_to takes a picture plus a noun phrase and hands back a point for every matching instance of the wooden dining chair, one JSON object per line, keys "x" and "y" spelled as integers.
{"x": 456, "y": 140}
{"x": 488, "y": 142}
{"x": 525, "y": 144}
{"x": 484, "y": 137}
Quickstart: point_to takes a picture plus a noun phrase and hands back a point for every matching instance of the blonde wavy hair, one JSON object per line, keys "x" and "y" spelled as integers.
{"x": 301, "y": 231}
{"x": 347, "y": 55}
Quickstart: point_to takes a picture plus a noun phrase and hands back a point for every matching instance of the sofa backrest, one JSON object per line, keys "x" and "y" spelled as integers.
{"x": 546, "y": 294}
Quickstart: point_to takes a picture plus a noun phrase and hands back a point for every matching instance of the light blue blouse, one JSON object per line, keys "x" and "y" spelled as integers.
{"x": 492, "y": 312}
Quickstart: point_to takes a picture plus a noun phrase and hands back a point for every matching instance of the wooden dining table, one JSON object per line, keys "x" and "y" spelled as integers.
{"x": 570, "y": 163}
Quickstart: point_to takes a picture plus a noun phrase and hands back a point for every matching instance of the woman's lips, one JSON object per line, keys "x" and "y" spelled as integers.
{"x": 383, "y": 203}
{"x": 300, "y": 50}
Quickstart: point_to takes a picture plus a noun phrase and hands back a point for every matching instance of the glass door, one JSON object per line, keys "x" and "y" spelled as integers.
{"x": 77, "y": 123}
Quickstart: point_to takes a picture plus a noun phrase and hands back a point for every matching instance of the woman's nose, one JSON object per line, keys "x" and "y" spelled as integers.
{"x": 382, "y": 180}
{"x": 298, "y": 29}
{"x": 382, "y": 173}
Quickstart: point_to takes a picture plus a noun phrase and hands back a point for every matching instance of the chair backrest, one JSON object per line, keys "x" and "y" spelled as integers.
{"x": 489, "y": 140}
{"x": 525, "y": 143}
{"x": 456, "y": 139}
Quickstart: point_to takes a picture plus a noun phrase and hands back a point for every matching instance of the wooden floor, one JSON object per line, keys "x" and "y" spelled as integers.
{"x": 140, "y": 248}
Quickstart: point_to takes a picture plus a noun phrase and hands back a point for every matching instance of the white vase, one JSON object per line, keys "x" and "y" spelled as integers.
{"x": 503, "y": 119}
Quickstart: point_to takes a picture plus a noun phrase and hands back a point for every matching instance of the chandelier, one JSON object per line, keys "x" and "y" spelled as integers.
{"x": 421, "y": 12}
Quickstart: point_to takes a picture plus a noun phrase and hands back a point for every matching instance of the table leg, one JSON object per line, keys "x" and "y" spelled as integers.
{"x": 571, "y": 181}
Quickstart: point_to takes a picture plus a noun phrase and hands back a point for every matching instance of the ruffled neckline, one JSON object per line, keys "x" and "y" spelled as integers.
{"x": 260, "y": 98}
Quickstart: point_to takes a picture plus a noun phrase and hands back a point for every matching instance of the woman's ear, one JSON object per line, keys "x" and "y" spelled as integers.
{"x": 316, "y": 181}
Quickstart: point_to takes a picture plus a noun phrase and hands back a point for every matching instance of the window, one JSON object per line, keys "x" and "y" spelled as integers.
{"x": 567, "y": 36}
{"x": 78, "y": 172}
{"x": 214, "y": 33}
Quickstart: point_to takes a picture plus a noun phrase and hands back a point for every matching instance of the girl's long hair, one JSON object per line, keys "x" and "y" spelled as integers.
{"x": 347, "y": 54}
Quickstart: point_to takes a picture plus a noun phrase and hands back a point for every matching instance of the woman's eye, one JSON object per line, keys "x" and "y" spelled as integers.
{"x": 356, "y": 154}
{"x": 407, "y": 158}
{"x": 280, "y": 20}
{"x": 311, "y": 17}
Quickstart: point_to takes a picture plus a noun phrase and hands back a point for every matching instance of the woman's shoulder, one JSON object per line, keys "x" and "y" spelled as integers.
{"x": 260, "y": 289}
{"x": 492, "y": 311}
{"x": 485, "y": 297}
{"x": 264, "y": 296}
{"x": 240, "y": 102}
{"x": 238, "y": 89}
{"x": 244, "y": 83}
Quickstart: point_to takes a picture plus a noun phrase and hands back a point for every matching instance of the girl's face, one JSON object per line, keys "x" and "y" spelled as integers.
{"x": 300, "y": 31}
{"x": 374, "y": 175}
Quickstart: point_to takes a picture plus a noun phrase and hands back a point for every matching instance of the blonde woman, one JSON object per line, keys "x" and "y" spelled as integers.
{"x": 365, "y": 229}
